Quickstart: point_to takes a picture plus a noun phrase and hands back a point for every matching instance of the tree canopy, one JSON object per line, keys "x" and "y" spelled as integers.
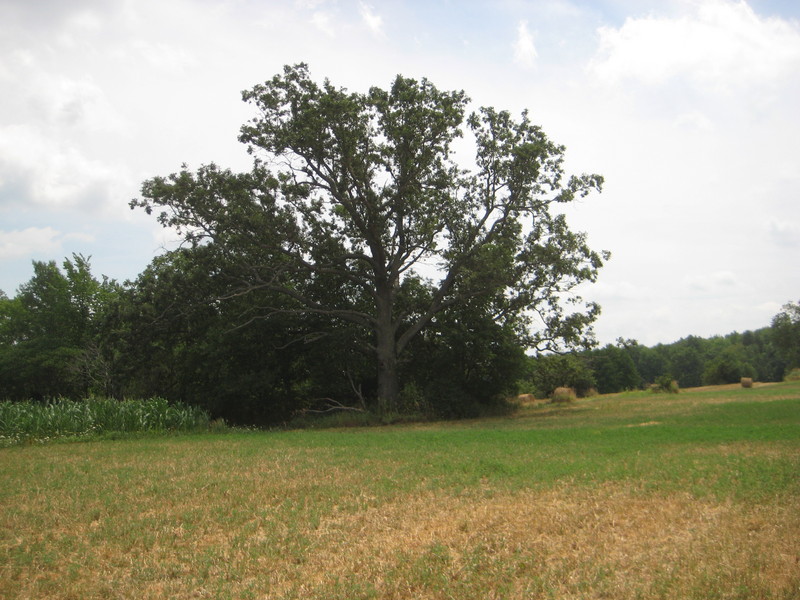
{"x": 786, "y": 327}
{"x": 48, "y": 332}
{"x": 356, "y": 210}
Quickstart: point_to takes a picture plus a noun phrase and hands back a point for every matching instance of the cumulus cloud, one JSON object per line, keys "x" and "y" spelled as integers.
{"x": 524, "y": 50}
{"x": 60, "y": 102}
{"x": 720, "y": 45}
{"x": 28, "y": 242}
{"x": 34, "y": 170}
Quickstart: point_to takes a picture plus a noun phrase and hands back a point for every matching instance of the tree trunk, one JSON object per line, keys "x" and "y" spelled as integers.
{"x": 388, "y": 385}
{"x": 386, "y": 349}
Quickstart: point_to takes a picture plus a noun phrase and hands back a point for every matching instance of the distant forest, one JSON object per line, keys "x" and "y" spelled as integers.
{"x": 173, "y": 333}
{"x": 691, "y": 362}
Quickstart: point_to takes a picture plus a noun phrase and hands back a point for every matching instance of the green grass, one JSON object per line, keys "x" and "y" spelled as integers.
{"x": 695, "y": 495}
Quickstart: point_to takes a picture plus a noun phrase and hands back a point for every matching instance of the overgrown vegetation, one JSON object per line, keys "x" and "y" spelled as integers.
{"x": 28, "y": 421}
{"x": 694, "y": 495}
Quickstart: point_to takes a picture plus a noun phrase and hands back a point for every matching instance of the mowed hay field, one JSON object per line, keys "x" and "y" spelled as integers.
{"x": 695, "y": 495}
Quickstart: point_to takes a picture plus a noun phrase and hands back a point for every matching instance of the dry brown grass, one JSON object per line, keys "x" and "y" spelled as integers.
{"x": 727, "y": 387}
{"x": 618, "y": 542}
{"x": 622, "y": 541}
{"x": 528, "y": 400}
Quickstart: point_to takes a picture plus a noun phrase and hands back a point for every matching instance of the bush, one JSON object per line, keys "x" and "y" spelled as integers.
{"x": 563, "y": 394}
{"x": 793, "y": 375}
{"x": 546, "y": 373}
{"x": 665, "y": 383}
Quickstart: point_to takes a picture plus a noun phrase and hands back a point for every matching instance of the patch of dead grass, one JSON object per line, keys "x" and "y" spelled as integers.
{"x": 610, "y": 541}
{"x": 562, "y": 538}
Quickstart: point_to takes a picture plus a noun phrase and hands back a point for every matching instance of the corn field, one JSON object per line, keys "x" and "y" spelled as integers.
{"x": 37, "y": 421}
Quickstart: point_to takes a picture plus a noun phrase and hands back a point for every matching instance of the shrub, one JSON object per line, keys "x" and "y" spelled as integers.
{"x": 563, "y": 394}
{"x": 665, "y": 383}
{"x": 793, "y": 375}
{"x": 747, "y": 382}
{"x": 551, "y": 371}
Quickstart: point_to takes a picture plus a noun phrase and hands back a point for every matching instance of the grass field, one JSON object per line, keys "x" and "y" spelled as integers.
{"x": 695, "y": 495}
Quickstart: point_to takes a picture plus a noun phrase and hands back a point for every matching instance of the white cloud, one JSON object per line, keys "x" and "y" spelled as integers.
{"x": 784, "y": 233}
{"x": 322, "y": 21}
{"x": 39, "y": 92}
{"x": 309, "y": 4}
{"x": 693, "y": 120}
{"x": 87, "y": 238}
{"x": 524, "y": 50}
{"x": 36, "y": 169}
{"x": 711, "y": 283}
{"x": 373, "y": 20}
{"x": 720, "y": 45}
{"x": 162, "y": 55}
{"x": 30, "y": 241}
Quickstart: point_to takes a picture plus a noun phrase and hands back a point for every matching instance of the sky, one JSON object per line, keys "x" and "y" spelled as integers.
{"x": 688, "y": 108}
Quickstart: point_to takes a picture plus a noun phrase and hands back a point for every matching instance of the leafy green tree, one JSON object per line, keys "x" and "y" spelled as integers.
{"x": 687, "y": 361}
{"x": 550, "y": 371}
{"x": 353, "y": 194}
{"x": 614, "y": 370}
{"x": 729, "y": 366}
{"x": 464, "y": 363}
{"x": 786, "y": 333}
{"x": 650, "y": 363}
{"x": 760, "y": 352}
{"x": 49, "y": 332}
{"x": 173, "y": 338}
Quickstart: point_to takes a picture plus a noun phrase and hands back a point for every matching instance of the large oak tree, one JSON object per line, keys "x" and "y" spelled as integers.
{"x": 357, "y": 209}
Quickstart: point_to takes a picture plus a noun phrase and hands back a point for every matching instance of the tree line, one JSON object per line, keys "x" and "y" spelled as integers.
{"x": 766, "y": 354}
{"x": 172, "y": 333}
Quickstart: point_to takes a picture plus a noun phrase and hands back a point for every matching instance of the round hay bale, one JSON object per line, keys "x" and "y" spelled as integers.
{"x": 747, "y": 382}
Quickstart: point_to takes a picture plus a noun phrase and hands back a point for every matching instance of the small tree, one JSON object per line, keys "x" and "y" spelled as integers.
{"x": 546, "y": 373}
{"x": 49, "y": 332}
{"x": 786, "y": 333}
{"x": 352, "y": 195}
